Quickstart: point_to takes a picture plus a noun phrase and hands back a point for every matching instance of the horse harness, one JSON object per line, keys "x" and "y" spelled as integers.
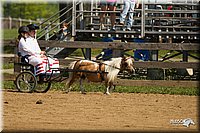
{"x": 101, "y": 71}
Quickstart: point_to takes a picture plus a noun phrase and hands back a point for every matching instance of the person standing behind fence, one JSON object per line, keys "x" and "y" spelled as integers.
{"x": 62, "y": 35}
{"x": 129, "y": 6}
{"x": 105, "y": 5}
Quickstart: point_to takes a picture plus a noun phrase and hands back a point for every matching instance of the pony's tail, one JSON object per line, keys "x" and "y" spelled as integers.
{"x": 71, "y": 66}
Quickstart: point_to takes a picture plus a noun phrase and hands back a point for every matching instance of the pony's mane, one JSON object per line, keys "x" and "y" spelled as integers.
{"x": 112, "y": 67}
{"x": 114, "y": 62}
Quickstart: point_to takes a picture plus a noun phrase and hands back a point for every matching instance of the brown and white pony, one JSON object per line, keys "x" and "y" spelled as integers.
{"x": 97, "y": 72}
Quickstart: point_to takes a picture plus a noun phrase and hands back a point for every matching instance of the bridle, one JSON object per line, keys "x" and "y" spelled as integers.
{"x": 101, "y": 63}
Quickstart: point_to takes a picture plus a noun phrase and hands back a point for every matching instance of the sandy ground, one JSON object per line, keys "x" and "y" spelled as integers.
{"x": 57, "y": 111}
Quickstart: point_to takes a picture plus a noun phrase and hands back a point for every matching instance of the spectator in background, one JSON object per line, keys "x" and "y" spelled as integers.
{"x": 170, "y": 7}
{"x": 129, "y": 6}
{"x": 62, "y": 35}
{"x": 105, "y": 5}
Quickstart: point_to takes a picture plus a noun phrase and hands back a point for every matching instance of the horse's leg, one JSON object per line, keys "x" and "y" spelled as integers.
{"x": 112, "y": 87}
{"x": 107, "y": 88}
{"x": 81, "y": 86}
{"x": 69, "y": 85}
{"x": 69, "y": 82}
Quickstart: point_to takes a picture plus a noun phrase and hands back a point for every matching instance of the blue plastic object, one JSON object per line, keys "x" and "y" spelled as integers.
{"x": 107, "y": 52}
{"x": 141, "y": 54}
{"x": 110, "y": 39}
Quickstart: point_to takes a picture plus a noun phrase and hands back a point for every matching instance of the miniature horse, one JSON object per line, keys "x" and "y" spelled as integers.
{"x": 97, "y": 72}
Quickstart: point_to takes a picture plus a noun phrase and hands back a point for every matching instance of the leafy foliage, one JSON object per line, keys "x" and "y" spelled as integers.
{"x": 30, "y": 10}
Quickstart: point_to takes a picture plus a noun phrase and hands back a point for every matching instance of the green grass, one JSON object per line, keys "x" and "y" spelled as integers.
{"x": 8, "y": 85}
{"x": 94, "y": 52}
{"x": 8, "y": 66}
{"x": 10, "y": 33}
{"x": 8, "y": 50}
{"x": 159, "y": 90}
{"x": 93, "y": 87}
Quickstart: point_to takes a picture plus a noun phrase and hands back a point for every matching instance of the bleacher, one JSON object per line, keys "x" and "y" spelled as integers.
{"x": 166, "y": 22}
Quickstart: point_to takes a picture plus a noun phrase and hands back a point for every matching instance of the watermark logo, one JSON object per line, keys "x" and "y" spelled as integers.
{"x": 185, "y": 122}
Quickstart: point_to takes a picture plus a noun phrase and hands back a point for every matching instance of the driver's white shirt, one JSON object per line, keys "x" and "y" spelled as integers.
{"x": 29, "y": 46}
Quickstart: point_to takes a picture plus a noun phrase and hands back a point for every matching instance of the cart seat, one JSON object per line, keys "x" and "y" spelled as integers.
{"x": 24, "y": 63}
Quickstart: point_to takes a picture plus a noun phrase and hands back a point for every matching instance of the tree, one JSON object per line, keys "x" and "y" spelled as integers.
{"x": 30, "y": 10}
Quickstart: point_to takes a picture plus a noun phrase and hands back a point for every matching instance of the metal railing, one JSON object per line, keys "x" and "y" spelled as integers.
{"x": 52, "y": 23}
{"x": 182, "y": 20}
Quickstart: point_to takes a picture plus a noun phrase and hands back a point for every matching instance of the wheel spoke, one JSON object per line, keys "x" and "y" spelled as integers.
{"x": 26, "y": 82}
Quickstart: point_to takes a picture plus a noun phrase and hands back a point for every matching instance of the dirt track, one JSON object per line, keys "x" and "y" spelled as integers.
{"x": 96, "y": 111}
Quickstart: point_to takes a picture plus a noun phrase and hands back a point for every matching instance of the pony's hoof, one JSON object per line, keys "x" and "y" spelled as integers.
{"x": 83, "y": 92}
{"x": 65, "y": 92}
{"x": 107, "y": 93}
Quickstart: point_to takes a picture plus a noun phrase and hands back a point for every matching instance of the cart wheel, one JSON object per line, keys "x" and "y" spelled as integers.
{"x": 42, "y": 87}
{"x": 26, "y": 82}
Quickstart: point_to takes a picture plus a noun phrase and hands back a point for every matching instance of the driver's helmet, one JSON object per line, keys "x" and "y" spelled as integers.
{"x": 23, "y": 29}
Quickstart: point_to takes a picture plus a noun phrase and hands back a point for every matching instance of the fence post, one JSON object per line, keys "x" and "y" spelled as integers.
{"x": 20, "y": 22}
{"x": 81, "y": 17}
{"x": 185, "y": 56}
{"x": 87, "y": 50}
{"x": 30, "y": 21}
{"x": 143, "y": 20}
{"x": 74, "y": 19}
{"x": 10, "y": 22}
{"x": 92, "y": 4}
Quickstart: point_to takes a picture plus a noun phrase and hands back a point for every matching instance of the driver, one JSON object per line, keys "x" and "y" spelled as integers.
{"x": 36, "y": 57}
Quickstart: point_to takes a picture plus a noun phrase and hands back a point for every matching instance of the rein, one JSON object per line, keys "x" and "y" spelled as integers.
{"x": 110, "y": 65}
{"x": 100, "y": 62}
{"x": 105, "y": 64}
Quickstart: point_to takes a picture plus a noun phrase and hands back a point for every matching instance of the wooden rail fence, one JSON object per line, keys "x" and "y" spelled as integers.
{"x": 137, "y": 64}
{"x": 123, "y": 45}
